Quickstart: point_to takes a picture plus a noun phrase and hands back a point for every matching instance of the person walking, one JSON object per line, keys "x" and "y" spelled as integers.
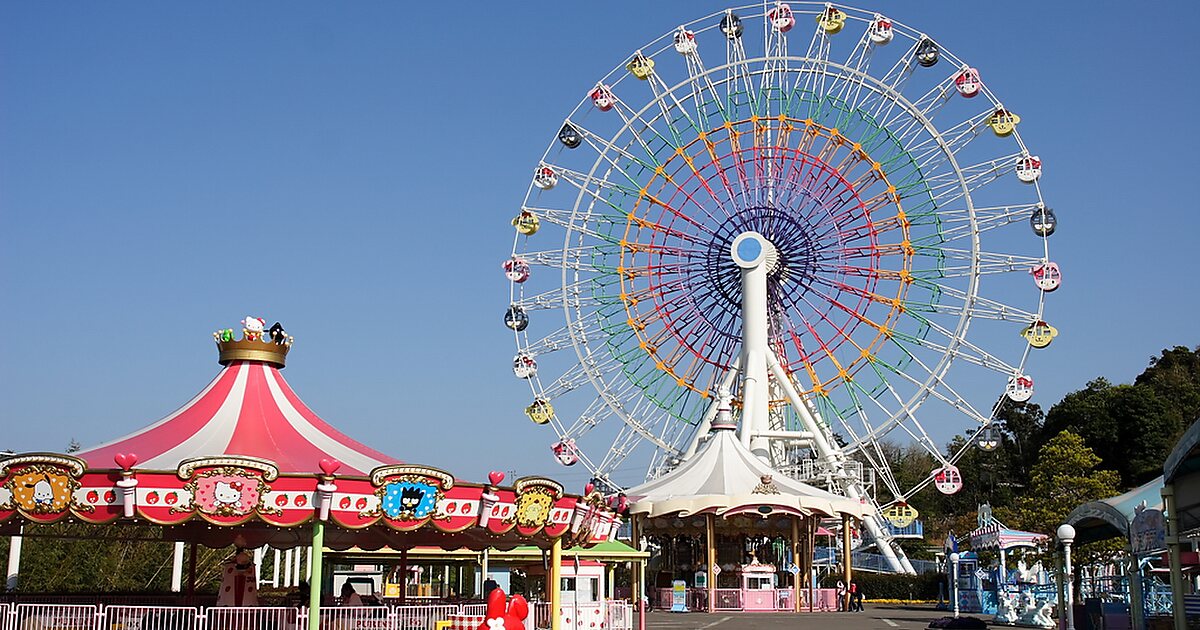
{"x": 842, "y": 603}
{"x": 856, "y": 597}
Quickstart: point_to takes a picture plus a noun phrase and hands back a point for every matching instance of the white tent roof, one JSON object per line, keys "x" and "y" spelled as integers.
{"x": 726, "y": 478}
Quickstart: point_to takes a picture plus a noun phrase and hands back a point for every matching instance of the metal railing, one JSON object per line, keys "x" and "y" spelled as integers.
{"x": 612, "y": 614}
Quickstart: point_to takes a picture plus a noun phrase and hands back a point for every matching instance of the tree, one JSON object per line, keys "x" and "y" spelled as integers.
{"x": 1064, "y": 477}
{"x": 1129, "y": 426}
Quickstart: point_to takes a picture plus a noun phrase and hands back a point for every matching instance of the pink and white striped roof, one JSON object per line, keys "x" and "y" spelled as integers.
{"x": 247, "y": 410}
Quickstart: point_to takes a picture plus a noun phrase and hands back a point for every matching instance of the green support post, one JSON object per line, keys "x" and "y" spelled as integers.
{"x": 314, "y": 583}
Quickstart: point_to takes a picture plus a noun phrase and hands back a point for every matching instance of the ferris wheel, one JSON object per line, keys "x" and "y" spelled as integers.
{"x": 903, "y": 237}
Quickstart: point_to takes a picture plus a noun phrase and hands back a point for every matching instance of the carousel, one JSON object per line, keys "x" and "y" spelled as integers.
{"x": 733, "y": 534}
{"x": 246, "y": 463}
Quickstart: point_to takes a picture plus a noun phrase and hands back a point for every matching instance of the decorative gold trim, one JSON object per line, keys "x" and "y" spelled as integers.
{"x": 188, "y": 466}
{"x": 74, "y": 465}
{"x": 378, "y": 475}
{"x": 535, "y": 482}
{"x": 250, "y": 350}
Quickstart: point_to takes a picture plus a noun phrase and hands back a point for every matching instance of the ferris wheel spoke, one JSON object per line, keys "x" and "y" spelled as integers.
{"x": 562, "y": 338}
{"x": 709, "y": 105}
{"x": 739, "y": 83}
{"x": 980, "y": 307}
{"x": 947, "y": 187}
{"x": 773, "y": 80}
{"x": 673, "y": 111}
{"x": 594, "y": 185}
{"x": 576, "y": 295}
{"x": 976, "y": 262}
{"x": 959, "y": 348}
{"x": 931, "y": 152}
{"x": 569, "y": 220}
{"x": 878, "y": 100}
{"x": 584, "y": 258}
{"x": 954, "y": 224}
{"x": 908, "y": 123}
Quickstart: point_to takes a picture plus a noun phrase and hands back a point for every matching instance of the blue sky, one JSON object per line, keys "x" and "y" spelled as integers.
{"x": 350, "y": 169}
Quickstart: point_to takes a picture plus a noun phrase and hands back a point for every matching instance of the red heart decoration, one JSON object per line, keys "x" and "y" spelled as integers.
{"x": 589, "y": 487}
{"x": 330, "y": 466}
{"x": 496, "y": 477}
{"x": 125, "y": 460}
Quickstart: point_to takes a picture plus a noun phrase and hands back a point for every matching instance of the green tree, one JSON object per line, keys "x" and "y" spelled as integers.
{"x": 1064, "y": 477}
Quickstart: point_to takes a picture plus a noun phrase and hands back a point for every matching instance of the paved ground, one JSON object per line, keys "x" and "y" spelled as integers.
{"x": 880, "y": 617}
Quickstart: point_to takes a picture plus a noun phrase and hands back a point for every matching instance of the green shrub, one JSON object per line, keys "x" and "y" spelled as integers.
{"x": 892, "y": 586}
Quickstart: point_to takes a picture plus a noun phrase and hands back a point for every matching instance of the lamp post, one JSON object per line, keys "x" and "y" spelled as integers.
{"x": 954, "y": 581}
{"x": 1066, "y": 535}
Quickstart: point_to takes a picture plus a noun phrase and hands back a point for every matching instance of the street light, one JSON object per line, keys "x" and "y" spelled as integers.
{"x": 954, "y": 581}
{"x": 1066, "y": 535}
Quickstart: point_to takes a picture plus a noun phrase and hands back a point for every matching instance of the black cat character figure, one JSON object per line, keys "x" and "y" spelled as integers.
{"x": 278, "y": 334}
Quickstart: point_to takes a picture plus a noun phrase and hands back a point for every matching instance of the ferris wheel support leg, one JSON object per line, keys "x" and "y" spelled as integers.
{"x": 835, "y": 459}
{"x": 706, "y": 422}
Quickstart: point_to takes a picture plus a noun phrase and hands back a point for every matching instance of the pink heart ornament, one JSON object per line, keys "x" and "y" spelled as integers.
{"x": 589, "y": 487}
{"x": 125, "y": 460}
{"x": 330, "y": 466}
{"x": 496, "y": 477}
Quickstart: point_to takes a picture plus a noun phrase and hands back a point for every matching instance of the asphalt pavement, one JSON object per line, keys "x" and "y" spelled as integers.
{"x": 878, "y": 617}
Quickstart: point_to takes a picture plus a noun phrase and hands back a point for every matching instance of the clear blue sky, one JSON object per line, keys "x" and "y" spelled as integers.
{"x": 350, "y": 169}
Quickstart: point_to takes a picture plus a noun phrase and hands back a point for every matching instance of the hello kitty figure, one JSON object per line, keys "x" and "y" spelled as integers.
{"x": 497, "y": 618}
{"x": 226, "y": 494}
{"x": 252, "y": 328}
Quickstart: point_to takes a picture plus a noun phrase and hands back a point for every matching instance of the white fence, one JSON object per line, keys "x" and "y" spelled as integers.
{"x": 617, "y": 615}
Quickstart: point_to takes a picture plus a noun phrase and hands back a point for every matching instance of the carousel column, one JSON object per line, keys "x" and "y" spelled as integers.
{"x": 554, "y": 585}
{"x": 258, "y": 567}
{"x": 796, "y": 562}
{"x": 314, "y": 584}
{"x": 710, "y": 546}
{"x": 403, "y": 576}
{"x": 275, "y": 570}
{"x": 14, "y": 561}
{"x": 810, "y": 552}
{"x": 287, "y": 568}
{"x": 637, "y": 584}
{"x": 177, "y": 568}
{"x": 191, "y": 585}
{"x": 847, "y": 573}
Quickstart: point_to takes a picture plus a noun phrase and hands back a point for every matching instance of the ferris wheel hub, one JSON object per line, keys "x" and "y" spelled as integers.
{"x": 751, "y": 249}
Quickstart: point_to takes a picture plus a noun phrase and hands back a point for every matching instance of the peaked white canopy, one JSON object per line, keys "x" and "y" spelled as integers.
{"x": 725, "y": 478}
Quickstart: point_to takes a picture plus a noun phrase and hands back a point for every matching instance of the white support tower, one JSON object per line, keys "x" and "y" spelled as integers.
{"x": 762, "y": 373}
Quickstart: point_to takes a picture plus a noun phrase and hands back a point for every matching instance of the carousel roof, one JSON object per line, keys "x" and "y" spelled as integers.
{"x": 248, "y": 410}
{"x": 724, "y": 477}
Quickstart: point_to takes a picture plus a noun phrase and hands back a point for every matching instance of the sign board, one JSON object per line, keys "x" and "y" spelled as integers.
{"x": 700, "y": 579}
{"x": 793, "y": 569}
{"x": 391, "y": 590}
{"x": 679, "y": 596}
{"x": 1147, "y": 533}
{"x": 716, "y": 569}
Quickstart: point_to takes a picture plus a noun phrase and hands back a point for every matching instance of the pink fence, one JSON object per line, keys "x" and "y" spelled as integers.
{"x": 611, "y": 615}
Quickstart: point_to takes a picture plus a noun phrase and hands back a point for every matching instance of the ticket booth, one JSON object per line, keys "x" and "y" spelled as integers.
{"x": 758, "y": 586}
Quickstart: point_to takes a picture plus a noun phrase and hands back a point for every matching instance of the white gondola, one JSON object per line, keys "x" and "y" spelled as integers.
{"x": 685, "y": 41}
{"x": 544, "y": 177}
{"x": 1029, "y": 168}
{"x": 524, "y": 366}
{"x": 880, "y": 31}
{"x": 1019, "y": 388}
